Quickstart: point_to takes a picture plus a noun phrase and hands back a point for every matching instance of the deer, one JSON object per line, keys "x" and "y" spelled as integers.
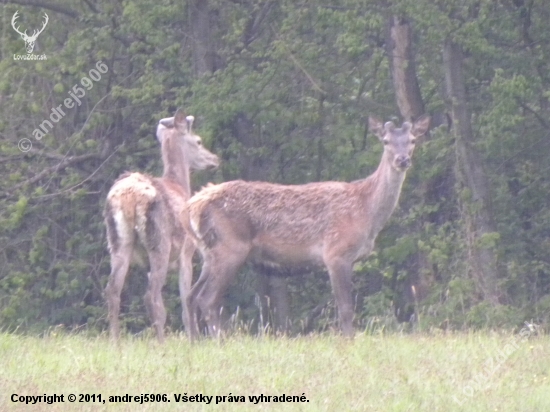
{"x": 143, "y": 217}
{"x": 323, "y": 223}
{"x": 29, "y": 40}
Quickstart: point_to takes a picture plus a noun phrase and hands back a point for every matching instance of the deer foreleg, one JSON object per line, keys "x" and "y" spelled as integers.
{"x": 340, "y": 271}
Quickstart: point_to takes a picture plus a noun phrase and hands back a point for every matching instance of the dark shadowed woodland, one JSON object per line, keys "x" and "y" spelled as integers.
{"x": 282, "y": 91}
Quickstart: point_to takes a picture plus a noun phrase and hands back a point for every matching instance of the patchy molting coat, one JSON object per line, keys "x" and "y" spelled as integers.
{"x": 333, "y": 223}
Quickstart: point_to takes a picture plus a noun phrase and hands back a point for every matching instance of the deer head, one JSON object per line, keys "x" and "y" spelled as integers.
{"x": 180, "y": 127}
{"x": 29, "y": 40}
{"x": 200, "y": 157}
{"x": 399, "y": 143}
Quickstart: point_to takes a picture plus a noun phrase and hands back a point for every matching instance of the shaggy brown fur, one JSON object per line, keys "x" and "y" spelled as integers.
{"x": 330, "y": 223}
{"x": 143, "y": 216}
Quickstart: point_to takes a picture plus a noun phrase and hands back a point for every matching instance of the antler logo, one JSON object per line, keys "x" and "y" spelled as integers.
{"x": 29, "y": 40}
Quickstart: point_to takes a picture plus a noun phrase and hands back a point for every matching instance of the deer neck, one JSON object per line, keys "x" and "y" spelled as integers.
{"x": 380, "y": 193}
{"x": 176, "y": 165}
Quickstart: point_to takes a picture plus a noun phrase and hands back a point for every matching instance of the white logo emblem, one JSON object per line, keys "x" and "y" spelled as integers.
{"x": 29, "y": 40}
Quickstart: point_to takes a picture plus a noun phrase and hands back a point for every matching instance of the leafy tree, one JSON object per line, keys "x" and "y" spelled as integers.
{"x": 282, "y": 90}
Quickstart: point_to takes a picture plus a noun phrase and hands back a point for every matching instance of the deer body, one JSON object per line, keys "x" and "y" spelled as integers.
{"x": 330, "y": 223}
{"x": 143, "y": 216}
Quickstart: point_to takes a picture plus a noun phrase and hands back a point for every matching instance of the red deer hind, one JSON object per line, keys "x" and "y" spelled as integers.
{"x": 143, "y": 219}
{"x": 330, "y": 223}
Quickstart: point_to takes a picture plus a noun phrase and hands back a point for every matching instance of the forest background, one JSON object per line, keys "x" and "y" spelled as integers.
{"x": 282, "y": 91}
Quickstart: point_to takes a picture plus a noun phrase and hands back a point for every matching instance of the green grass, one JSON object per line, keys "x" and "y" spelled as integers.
{"x": 417, "y": 372}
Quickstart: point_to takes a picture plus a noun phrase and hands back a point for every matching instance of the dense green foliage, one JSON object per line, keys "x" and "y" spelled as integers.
{"x": 285, "y": 97}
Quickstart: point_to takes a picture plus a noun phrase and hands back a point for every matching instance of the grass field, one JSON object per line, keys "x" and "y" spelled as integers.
{"x": 506, "y": 371}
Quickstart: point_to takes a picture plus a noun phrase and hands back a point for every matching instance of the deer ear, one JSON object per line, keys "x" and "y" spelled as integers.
{"x": 376, "y": 126}
{"x": 180, "y": 120}
{"x": 167, "y": 122}
{"x": 421, "y": 126}
{"x": 190, "y": 120}
{"x": 161, "y": 130}
{"x": 389, "y": 126}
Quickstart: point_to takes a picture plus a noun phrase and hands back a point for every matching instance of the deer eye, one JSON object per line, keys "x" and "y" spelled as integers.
{"x": 386, "y": 142}
{"x": 199, "y": 143}
{"x": 413, "y": 141}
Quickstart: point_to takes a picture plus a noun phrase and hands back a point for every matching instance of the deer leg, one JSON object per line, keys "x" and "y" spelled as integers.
{"x": 120, "y": 263}
{"x": 191, "y": 304}
{"x": 186, "y": 279}
{"x": 340, "y": 272}
{"x": 219, "y": 269}
{"x": 158, "y": 262}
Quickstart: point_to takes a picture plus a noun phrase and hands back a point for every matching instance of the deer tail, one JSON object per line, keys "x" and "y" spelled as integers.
{"x": 126, "y": 207}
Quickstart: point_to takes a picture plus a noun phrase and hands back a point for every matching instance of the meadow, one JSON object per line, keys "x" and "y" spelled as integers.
{"x": 436, "y": 371}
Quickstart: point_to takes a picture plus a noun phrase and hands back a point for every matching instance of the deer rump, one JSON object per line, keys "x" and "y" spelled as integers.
{"x": 281, "y": 225}
{"x": 142, "y": 205}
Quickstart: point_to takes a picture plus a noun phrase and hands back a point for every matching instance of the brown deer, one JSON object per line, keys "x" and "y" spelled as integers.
{"x": 330, "y": 223}
{"x": 143, "y": 219}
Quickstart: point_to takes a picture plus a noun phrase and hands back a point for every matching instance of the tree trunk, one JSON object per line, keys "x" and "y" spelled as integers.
{"x": 471, "y": 176}
{"x": 199, "y": 21}
{"x": 411, "y": 106}
{"x": 274, "y": 302}
{"x": 405, "y": 83}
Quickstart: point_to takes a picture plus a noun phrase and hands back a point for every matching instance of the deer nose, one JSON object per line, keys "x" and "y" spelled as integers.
{"x": 403, "y": 161}
{"x": 214, "y": 163}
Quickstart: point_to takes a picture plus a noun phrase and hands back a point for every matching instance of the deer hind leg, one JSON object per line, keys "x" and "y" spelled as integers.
{"x": 158, "y": 262}
{"x": 191, "y": 306}
{"x": 120, "y": 263}
{"x": 220, "y": 267}
{"x": 340, "y": 272}
{"x": 192, "y": 301}
{"x": 186, "y": 278}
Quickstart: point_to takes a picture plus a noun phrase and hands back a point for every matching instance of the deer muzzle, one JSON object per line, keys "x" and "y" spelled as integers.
{"x": 403, "y": 162}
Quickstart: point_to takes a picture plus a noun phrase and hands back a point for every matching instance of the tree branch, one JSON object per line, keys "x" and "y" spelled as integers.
{"x": 50, "y": 6}
{"x": 540, "y": 118}
{"x": 91, "y": 6}
{"x": 54, "y": 169}
{"x": 85, "y": 180}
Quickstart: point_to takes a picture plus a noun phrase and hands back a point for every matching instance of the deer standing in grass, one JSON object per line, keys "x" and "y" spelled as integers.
{"x": 330, "y": 223}
{"x": 143, "y": 216}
